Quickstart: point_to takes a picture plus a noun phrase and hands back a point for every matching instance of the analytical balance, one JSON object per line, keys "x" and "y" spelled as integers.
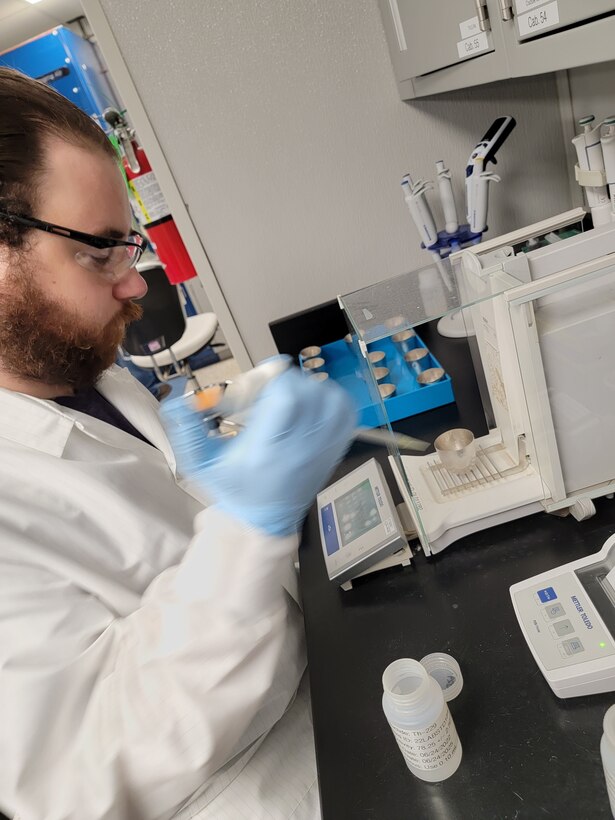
{"x": 542, "y": 303}
{"x": 567, "y": 616}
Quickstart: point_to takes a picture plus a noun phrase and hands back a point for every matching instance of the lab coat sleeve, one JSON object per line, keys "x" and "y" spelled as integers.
{"x": 107, "y": 718}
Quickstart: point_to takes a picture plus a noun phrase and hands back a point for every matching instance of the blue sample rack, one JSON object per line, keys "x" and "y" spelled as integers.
{"x": 343, "y": 365}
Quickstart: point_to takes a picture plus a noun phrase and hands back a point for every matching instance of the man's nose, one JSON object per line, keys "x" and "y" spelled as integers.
{"x": 131, "y": 286}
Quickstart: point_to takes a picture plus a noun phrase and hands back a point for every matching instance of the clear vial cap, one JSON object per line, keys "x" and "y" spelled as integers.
{"x": 446, "y": 671}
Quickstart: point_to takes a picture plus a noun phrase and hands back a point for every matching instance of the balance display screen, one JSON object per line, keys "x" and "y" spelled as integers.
{"x": 357, "y": 512}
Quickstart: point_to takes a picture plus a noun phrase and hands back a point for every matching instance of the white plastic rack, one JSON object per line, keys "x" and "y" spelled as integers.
{"x": 483, "y": 472}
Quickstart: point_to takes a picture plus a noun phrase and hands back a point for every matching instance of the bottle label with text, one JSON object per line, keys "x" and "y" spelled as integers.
{"x": 429, "y": 748}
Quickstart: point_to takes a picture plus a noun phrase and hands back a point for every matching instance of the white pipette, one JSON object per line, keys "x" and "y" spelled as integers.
{"x": 446, "y": 197}
{"x": 478, "y": 178}
{"x": 414, "y": 195}
{"x": 480, "y": 200}
{"x": 375, "y": 435}
{"x": 384, "y": 438}
{"x": 589, "y": 154}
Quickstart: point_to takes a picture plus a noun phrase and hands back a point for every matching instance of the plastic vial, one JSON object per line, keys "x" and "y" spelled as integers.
{"x": 420, "y": 719}
{"x": 607, "y": 752}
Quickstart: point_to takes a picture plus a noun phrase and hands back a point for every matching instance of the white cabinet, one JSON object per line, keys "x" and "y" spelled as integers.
{"x": 437, "y": 45}
{"x": 421, "y": 53}
{"x": 440, "y": 45}
{"x": 558, "y": 34}
{"x": 539, "y": 17}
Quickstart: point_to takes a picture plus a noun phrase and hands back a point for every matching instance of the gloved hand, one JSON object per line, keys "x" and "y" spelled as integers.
{"x": 268, "y": 475}
{"x": 188, "y": 430}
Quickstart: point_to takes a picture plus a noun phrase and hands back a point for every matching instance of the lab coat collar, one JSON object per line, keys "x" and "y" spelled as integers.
{"x": 138, "y": 405}
{"x": 46, "y": 426}
{"x": 33, "y": 422}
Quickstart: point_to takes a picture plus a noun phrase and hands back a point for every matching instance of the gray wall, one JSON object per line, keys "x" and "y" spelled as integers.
{"x": 592, "y": 89}
{"x": 281, "y": 123}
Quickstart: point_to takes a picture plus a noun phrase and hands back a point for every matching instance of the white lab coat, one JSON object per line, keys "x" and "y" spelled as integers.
{"x": 141, "y": 667}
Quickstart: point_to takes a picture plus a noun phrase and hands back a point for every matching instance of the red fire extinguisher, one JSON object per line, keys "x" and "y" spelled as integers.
{"x": 149, "y": 205}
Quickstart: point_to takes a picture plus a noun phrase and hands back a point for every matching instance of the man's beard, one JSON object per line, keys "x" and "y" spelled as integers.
{"x": 43, "y": 340}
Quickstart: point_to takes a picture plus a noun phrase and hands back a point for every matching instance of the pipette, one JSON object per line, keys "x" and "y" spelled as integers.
{"x": 446, "y": 197}
{"x": 589, "y": 154}
{"x": 376, "y": 436}
{"x": 384, "y": 438}
{"x": 416, "y": 200}
{"x": 223, "y": 400}
{"x": 414, "y": 194}
{"x": 477, "y": 178}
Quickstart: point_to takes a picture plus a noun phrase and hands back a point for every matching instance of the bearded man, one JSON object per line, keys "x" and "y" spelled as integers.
{"x": 151, "y": 648}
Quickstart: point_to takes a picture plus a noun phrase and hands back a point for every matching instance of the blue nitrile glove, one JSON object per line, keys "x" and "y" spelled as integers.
{"x": 192, "y": 432}
{"x": 188, "y": 429}
{"x": 268, "y": 476}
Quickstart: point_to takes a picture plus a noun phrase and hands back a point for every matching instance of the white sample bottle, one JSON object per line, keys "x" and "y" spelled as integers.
{"x": 607, "y": 752}
{"x": 420, "y": 719}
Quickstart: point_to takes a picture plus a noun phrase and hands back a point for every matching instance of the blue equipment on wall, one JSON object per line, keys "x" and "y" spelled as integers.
{"x": 67, "y": 63}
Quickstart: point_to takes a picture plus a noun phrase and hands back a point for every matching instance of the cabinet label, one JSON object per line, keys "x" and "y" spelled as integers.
{"x": 469, "y": 28}
{"x": 539, "y": 19}
{"x": 522, "y": 6}
{"x": 472, "y": 45}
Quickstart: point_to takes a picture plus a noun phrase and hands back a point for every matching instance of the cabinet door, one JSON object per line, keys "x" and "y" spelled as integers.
{"x": 538, "y": 17}
{"x": 550, "y": 35}
{"x": 437, "y": 45}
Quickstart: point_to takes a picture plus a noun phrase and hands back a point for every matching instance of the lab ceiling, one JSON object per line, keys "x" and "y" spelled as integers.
{"x": 20, "y": 20}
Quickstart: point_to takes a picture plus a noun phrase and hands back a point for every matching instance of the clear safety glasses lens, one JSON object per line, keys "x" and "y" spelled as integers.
{"x": 110, "y": 263}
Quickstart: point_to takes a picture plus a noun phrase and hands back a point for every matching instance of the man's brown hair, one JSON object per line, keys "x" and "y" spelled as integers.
{"x": 30, "y": 112}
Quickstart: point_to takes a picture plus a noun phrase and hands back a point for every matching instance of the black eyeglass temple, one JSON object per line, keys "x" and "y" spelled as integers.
{"x": 90, "y": 239}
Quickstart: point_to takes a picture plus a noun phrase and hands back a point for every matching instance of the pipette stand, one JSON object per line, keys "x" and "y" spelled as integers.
{"x": 449, "y": 242}
{"x": 453, "y": 325}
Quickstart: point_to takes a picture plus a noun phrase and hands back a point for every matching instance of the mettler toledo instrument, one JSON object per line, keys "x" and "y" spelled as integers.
{"x": 542, "y": 302}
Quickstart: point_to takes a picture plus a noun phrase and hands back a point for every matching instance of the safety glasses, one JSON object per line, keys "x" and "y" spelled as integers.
{"x": 108, "y": 257}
